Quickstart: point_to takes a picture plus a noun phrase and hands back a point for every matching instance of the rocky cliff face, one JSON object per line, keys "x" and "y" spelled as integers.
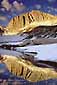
{"x": 1, "y": 30}
{"x": 28, "y": 21}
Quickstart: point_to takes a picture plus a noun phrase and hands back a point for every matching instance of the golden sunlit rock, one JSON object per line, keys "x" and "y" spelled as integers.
{"x": 1, "y": 30}
{"x": 28, "y": 21}
{"x": 27, "y": 70}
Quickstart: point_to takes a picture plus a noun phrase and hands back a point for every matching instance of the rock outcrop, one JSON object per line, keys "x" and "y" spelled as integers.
{"x": 28, "y": 21}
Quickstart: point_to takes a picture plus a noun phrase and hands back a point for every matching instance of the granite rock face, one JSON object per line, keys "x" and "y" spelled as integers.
{"x": 28, "y": 21}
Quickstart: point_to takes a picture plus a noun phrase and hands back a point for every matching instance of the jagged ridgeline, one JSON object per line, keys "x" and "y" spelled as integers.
{"x": 29, "y": 21}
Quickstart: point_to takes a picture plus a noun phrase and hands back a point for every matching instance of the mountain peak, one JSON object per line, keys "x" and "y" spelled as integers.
{"x": 30, "y": 20}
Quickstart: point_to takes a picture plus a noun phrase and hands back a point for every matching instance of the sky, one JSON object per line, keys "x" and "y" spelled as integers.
{"x": 11, "y": 8}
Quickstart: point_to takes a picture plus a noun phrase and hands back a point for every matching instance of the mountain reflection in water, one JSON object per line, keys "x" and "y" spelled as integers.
{"x": 5, "y": 74}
